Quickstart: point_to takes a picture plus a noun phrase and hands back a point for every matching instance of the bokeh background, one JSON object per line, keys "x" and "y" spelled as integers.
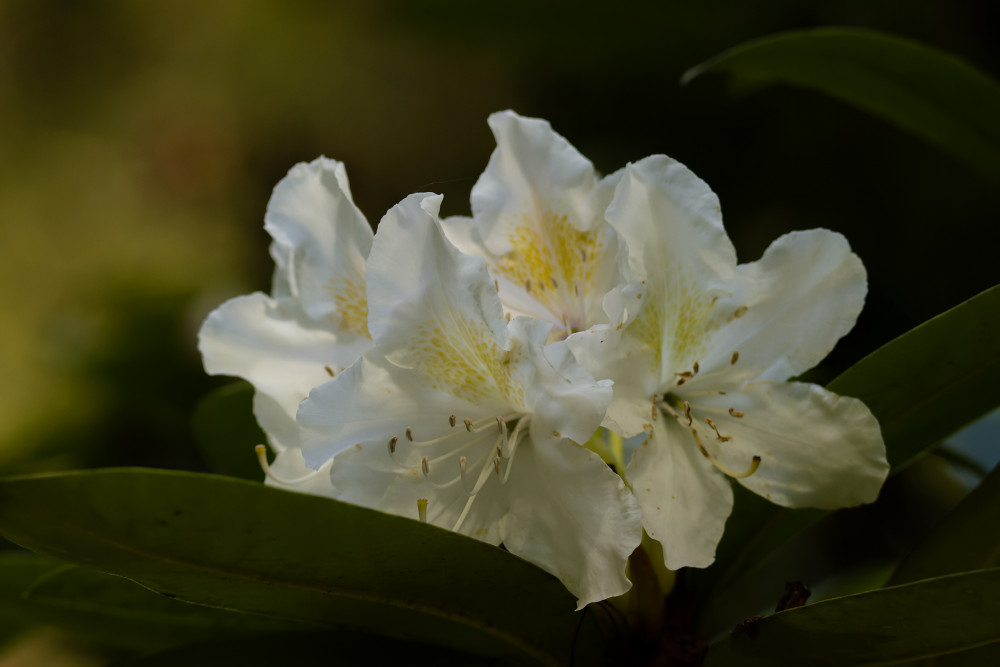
{"x": 139, "y": 143}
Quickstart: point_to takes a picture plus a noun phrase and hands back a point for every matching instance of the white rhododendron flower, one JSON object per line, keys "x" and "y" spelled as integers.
{"x": 469, "y": 421}
{"x": 700, "y": 350}
{"x": 314, "y": 323}
{"x": 538, "y": 220}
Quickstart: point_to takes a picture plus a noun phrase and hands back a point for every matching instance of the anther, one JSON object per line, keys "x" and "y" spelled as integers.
{"x": 468, "y": 425}
{"x": 735, "y": 357}
{"x": 422, "y": 509}
{"x": 685, "y": 374}
{"x": 451, "y": 420}
{"x": 555, "y": 284}
{"x": 425, "y": 466}
{"x": 496, "y": 284}
{"x": 718, "y": 436}
{"x": 462, "y": 463}
{"x": 501, "y": 426}
{"x": 496, "y": 465}
{"x": 409, "y": 434}
{"x": 740, "y": 312}
{"x": 329, "y": 371}
{"x": 687, "y": 412}
{"x": 392, "y": 444}
{"x": 681, "y": 380}
{"x": 506, "y": 317}
{"x": 695, "y": 368}
{"x": 735, "y": 413}
{"x": 527, "y": 285}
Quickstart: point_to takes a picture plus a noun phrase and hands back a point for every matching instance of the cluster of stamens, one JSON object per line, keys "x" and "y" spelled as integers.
{"x": 681, "y": 410}
{"x": 407, "y": 453}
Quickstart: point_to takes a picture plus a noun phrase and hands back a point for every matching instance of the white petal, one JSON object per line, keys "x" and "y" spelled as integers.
{"x": 277, "y": 348}
{"x": 685, "y": 501}
{"x": 679, "y": 253}
{"x": 565, "y": 399}
{"x": 372, "y": 401}
{"x": 628, "y": 362}
{"x": 289, "y": 472}
{"x": 437, "y": 310}
{"x": 321, "y": 241}
{"x": 538, "y": 220}
{"x": 802, "y": 296}
{"x": 817, "y": 449}
{"x": 571, "y": 515}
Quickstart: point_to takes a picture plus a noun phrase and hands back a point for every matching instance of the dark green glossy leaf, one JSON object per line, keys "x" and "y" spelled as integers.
{"x": 903, "y": 623}
{"x": 238, "y": 545}
{"x": 922, "y": 386}
{"x": 227, "y": 433}
{"x": 928, "y": 92}
{"x": 329, "y": 648}
{"x": 967, "y": 539}
{"x": 110, "y": 610}
{"x": 933, "y": 379}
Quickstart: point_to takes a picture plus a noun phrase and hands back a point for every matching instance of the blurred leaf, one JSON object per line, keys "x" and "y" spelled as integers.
{"x": 932, "y": 94}
{"x": 967, "y": 539}
{"x": 922, "y": 386}
{"x": 238, "y": 545}
{"x": 904, "y": 623}
{"x": 227, "y": 432}
{"x": 110, "y": 610}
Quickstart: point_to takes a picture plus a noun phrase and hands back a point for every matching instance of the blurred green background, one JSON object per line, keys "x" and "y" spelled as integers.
{"x": 140, "y": 143}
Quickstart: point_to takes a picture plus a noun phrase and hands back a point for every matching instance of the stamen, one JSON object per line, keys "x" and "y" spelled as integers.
{"x": 687, "y": 412}
{"x": 261, "y": 451}
{"x": 451, "y": 420}
{"x": 392, "y": 445}
{"x": 740, "y": 312}
{"x": 329, "y": 371}
{"x": 501, "y": 426}
{"x": 685, "y": 374}
{"x": 718, "y": 436}
{"x": 409, "y": 434}
{"x": 735, "y": 413}
{"x": 422, "y": 509}
{"x": 681, "y": 381}
{"x": 468, "y": 425}
{"x": 735, "y": 357}
{"x": 425, "y": 466}
{"x": 695, "y": 368}
{"x": 496, "y": 466}
{"x": 754, "y": 463}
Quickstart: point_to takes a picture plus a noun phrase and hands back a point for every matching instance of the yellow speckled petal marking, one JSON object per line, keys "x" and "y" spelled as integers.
{"x": 460, "y": 357}
{"x": 352, "y": 304}
{"x": 675, "y": 319}
{"x": 554, "y": 261}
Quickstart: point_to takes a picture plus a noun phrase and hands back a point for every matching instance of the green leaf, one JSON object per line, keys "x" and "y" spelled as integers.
{"x": 110, "y": 610}
{"x": 966, "y": 539}
{"x": 922, "y": 386}
{"x": 932, "y": 94}
{"x": 904, "y": 623}
{"x": 227, "y": 433}
{"x": 932, "y": 380}
{"x": 310, "y": 649}
{"x": 238, "y": 545}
